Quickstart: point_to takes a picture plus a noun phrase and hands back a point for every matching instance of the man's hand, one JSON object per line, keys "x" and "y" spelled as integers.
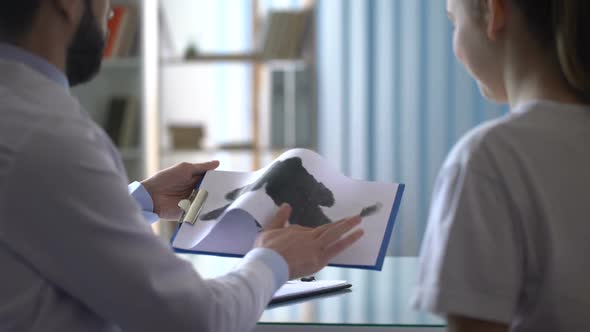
{"x": 307, "y": 250}
{"x": 171, "y": 185}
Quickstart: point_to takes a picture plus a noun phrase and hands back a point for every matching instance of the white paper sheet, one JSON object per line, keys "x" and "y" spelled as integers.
{"x": 316, "y": 191}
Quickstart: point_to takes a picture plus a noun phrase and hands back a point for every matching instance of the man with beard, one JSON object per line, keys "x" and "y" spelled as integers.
{"x": 75, "y": 252}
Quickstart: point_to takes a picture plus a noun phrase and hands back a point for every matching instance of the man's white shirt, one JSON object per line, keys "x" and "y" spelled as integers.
{"x": 75, "y": 251}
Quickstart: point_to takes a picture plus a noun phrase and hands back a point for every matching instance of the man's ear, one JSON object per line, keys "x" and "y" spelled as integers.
{"x": 495, "y": 17}
{"x": 70, "y": 10}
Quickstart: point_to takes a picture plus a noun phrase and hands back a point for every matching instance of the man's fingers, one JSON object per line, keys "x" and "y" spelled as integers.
{"x": 336, "y": 230}
{"x": 280, "y": 218}
{"x": 321, "y": 229}
{"x": 200, "y": 169}
{"x": 342, "y": 244}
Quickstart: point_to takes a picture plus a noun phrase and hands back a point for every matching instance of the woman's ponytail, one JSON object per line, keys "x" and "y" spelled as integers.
{"x": 563, "y": 26}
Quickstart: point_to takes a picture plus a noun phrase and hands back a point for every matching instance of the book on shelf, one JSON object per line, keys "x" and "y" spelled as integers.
{"x": 187, "y": 137}
{"x": 121, "y": 121}
{"x": 277, "y": 111}
{"x": 291, "y": 116}
{"x": 225, "y": 214}
{"x": 123, "y": 39}
{"x": 166, "y": 39}
{"x": 285, "y": 34}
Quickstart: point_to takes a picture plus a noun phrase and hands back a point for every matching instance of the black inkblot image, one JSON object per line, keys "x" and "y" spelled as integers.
{"x": 370, "y": 210}
{"x": 289, "y": 182}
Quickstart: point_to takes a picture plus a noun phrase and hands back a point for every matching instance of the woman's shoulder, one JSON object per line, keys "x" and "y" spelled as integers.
{"x": 511, "y": 139}
{"x": 478, "y": 145}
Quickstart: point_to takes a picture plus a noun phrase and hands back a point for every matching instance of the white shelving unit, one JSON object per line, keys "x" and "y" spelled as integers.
{"x": 127, "y": 63}
{"x": 136, "y": 77}
{"x": 140, "y": 77}
{"x": 260, "y": 78}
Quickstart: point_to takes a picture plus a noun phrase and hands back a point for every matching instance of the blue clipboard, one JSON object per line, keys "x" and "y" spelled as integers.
{"x": 380, "y": 258}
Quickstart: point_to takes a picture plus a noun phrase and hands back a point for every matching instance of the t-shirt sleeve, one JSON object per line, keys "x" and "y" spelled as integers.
{"x": 471, "y": 260}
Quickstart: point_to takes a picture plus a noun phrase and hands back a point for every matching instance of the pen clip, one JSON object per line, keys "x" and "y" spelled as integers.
{"x": 192, "y": 206}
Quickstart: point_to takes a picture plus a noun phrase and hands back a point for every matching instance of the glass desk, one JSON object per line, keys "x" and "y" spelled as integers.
{"x": 377, "y": 301}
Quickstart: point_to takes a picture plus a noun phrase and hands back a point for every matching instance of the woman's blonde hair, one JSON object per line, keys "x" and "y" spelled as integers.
{"x": 564, "y": 26}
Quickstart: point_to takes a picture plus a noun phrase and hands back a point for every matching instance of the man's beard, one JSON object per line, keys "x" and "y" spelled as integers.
{"x": 84, "y": 55}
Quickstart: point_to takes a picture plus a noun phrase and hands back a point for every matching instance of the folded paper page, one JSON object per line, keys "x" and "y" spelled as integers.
{"x": 238, "y": 205}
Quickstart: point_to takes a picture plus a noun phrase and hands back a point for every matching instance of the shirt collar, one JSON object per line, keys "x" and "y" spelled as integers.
{"x": 528, "y": 105}
{"x": 13, "y": 53}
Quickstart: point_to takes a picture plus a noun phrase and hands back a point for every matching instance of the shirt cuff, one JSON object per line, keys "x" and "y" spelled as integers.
{"x": 274, "y": 261}
{"x": 143, "y": 198}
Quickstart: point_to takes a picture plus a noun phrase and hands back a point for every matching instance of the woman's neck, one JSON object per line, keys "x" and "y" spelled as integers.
{"x": 537, "y": 76}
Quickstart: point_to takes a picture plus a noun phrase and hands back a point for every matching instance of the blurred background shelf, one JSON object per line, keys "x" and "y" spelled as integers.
{"x": 239, "y": 160}
{"x": 219, "y": 57}
{"x": 130, "y": 63}
{"x": 216, "y": 72}
{"x": 118, "y": 98}
{"x": 237, "y": 58}
{"x": 240, "y": 68}
{"x": 131, "y": 153}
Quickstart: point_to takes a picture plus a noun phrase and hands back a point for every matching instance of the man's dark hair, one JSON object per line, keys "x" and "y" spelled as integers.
{"x": 16, "y": 18}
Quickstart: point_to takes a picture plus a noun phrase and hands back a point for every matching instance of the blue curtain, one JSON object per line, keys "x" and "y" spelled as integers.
{"x": 392, "y": 98}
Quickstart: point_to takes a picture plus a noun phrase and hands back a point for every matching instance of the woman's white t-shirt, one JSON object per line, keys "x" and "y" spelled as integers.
{"x": 509, "y": 227}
